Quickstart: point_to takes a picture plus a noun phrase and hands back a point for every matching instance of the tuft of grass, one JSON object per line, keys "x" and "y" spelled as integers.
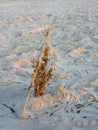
{"x": 42, "y": 76}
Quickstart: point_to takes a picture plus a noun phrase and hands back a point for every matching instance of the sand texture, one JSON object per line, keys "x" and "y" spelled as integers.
{"x": 74, "y": 36}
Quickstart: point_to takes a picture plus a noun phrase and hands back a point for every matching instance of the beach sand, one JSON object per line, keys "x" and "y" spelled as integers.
{"x": 74, "y": 36}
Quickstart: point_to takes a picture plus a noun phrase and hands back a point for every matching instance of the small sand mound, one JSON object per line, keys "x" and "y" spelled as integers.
{"x": 64, "y": 95}
{"x": 42, "y": 102}
{"x": 48, "y": 100}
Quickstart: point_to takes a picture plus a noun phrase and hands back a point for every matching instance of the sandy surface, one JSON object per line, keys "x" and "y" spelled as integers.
{"x": 74, "y": 37}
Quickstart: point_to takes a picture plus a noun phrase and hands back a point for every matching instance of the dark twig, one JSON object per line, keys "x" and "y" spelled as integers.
{"x": 12, "y": 110}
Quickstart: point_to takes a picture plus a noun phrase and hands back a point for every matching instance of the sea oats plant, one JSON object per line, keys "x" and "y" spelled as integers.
{"x": 42, "y": 75}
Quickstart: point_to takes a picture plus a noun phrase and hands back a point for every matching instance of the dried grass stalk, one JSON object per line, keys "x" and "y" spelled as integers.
{"x": 42, "y": 75}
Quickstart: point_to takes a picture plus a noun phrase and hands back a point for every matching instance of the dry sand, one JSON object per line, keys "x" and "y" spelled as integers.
{"x": 74, "y": 37}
